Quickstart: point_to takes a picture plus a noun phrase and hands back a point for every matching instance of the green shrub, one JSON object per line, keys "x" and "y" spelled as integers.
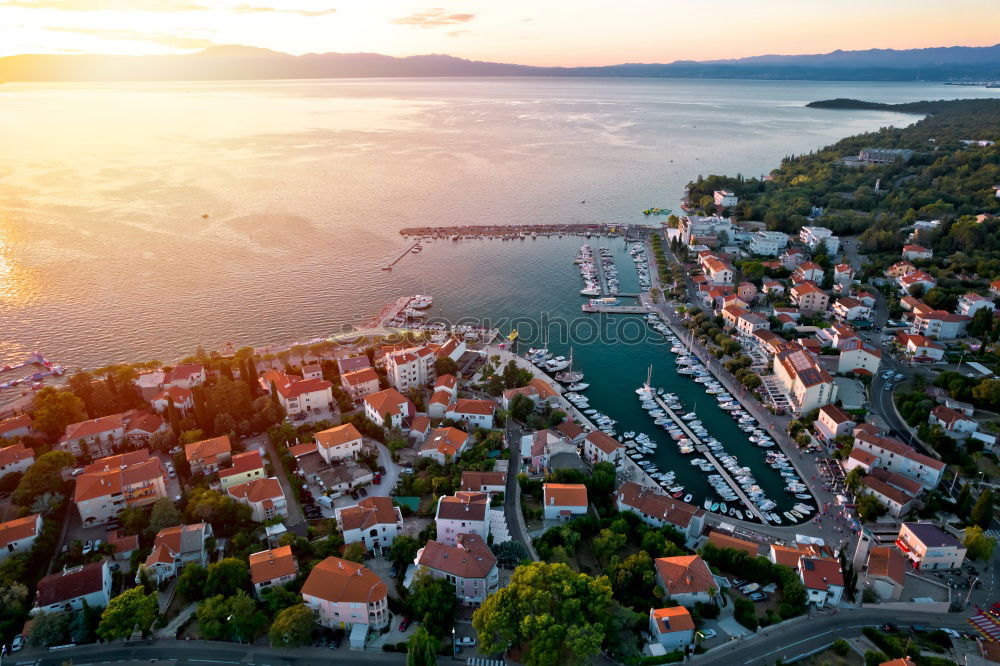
{"x": 841, "y": 647}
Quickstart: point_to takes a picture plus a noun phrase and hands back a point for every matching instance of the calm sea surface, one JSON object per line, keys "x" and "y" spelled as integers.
{"x": 105, "y": 255}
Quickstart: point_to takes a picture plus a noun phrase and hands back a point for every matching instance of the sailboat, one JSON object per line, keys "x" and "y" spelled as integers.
{"x": 569, "y": 376}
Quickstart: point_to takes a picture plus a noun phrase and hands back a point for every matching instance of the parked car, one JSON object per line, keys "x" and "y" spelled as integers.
{"x": 466, "y": 641}
{"x": 323, "y": 500}
{"x": 404, "y": 624}
{"x": 750, "y": 587}
{"x": 739, "y": 582}
{"x": 899, "y": 377}
{"x": 377, "y": 480}
{"x": 17, "y": 643}
{"x": 364, "y": 493}
{"x": 758, "y": 596}
{"x": 87, "y": 547}
{"x": 97, "y": 545}
{"x": 114, "y": 566}
{"x": 707, "y": 634}
{"x": 77, "y": 472}
{"x": 951, "y": 632}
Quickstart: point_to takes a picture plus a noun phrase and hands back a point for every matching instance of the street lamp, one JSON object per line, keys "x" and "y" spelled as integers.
{"x": 454, "y": 646}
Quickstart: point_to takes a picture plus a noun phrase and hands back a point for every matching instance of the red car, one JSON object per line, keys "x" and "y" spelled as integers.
{"x": 404, "y": 624}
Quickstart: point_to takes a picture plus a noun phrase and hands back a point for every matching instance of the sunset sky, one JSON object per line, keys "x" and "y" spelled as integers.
{"x": 537, "y": 32}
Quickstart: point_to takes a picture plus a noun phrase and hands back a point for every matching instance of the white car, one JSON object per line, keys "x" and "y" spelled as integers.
{"x": 951, "y": 632}
{"x": 707, "y": 634}
{"x": 466, "y": 641}
{"x": 17, "y": 644}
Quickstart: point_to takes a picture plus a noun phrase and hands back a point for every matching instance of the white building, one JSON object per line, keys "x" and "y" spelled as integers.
{"x": 563, "y": 501}
{"x": 940, "y": 325}
{"x": 599, "y": 447}
{"x": 696, "y": 230}
{"x": 823, "y": 580}
{"x": 686, "y": 579}
{"x": 767, "y": 243}
{"x": 954, "y": 423}
{"x": 725, "y": 198}
{"x": 475, "y": 413}
{"x": 18, "y": 535}
{"x": 855, "y": 355}
{"x": 344, "y": 594}
{"x": 462, "y": 513}
{"x": 971, "y": 303}
{"x": 673, "y": 628}
{"x": 411, "y": 368}
{"x": 814, "y": 237}
{"x": 16, "y": 458}
{"x": 658, "y": 509}
{"x": 893, "y": 455}
{"x": 110, "y": 485}
{"x": 270, "y": 568}
{"x": 185, "y": 375}
{"x": 444, "y": 444}
{"x": 469, "y": 565}
{"x": 339, "y": 443}
{"x": 71, "y": 588}
{"x": 175, "y": 548}
{"x": 389, "y": 407}
{"x": 849, "y": 309}
{"x": 807, "y": 384}
{"x": 264, "y": 497}
{"x": 298, "y": 395}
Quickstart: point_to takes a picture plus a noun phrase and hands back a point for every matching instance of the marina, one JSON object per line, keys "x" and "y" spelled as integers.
{"x": 525, "y": 231}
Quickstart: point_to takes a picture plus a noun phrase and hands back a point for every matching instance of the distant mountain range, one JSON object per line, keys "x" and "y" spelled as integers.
{"x": 957, "y": 63}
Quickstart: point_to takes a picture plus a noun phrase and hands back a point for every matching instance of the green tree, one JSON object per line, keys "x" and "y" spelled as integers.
{"x": 55, "y": 409}
{"x": 49, "y": 629}
{"x": 982, "y": 512}
{"x": 45, "y": 476}
{"x": 130, "y": 611}
{"x": 421, "y": 649}
{"x": 553, "y": 614}
{"x": 231, "y": 617}
{"x": 164, "y": 515}
{"x": 979, "y": 545}
{"x": 278, "y": 598}
{"x": 607, "y": 543}
{"x": 869, "y": 508}
{"x": 226, "y": 577}
{"x": 445, "y": 366}
{"x": 520, "y": 407}
{"x": 964, "y": 501}
{"x": 355, "y": 552}
{"x": 433, "y": 603}
{"x": 134, "y": 520}
{"x": 853, "y": 479}
{"x": 292, "y": 627}
{"x": 191, "y": 582}
{"x": 403, "y": 550}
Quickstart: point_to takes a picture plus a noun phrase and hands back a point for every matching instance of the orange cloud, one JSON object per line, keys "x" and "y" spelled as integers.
{"x": 433, "y": 18}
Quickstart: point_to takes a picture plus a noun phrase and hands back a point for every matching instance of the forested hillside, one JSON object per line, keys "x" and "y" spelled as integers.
{"x": 944, "y": 179}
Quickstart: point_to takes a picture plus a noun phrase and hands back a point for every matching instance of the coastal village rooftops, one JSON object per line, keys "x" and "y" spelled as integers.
{"x": 446, "y": 441}
{"x": 353, "y": 364}
{"x": 786, "y": 556}
{"x": 948, "y": 416}
{"x": 257, "y": 490}
{"x": 684, "y": 574}
{"x": 471, "y": 406}
{"x": 298, "y": 450}
{"x": 669, "y": 620}
{"x": 449, "y": 347}
{"x": 208, "y": 451}
{"x": 932, "y": 536}
{"x": 123, "y": 543}
{"x": 464, "y": 506}
{"x": 443, "y": 396}
{"x": 184, "y": 372}
{"x": 336, "y": 436}
{"x": 903, "y": 483}
{"x": 917, "y": 341}
{"x": 243, "y": 463}
{"x": 720, "y": 540}
{"x": 93, "y": 427}
{"x": 879, "y": 486}
{"x": 564, "y": 494}
{"x": 342, "y": 581}
{"x": 545, "y": 390}
{"x": 799, "y": 363}
{"x": 570, "y": 430}
{"x": 808, "y": 287}
{"x": 421, "y": 423}
{"x": 18, "y": 529}
{"x": 863, "y": 457}
{"x": 171, "y": 542}
{"x": 368, "y": 512}
{"x": 915, "y": 248}
{"x": 887, "y": 562}
{"x": 843, "y": 268}
{"x": 70, "y": 584}
{"x": 604, "y": 442}
{"x": 916, "y": 276}
{"x": 270, "y": 564}
{"x": 15, "y": 423}
{"x": 389, "y": 401}
{"x": 820, "y": 573}
{"x": 359, "y": 377}
{"x": 175, "y": 394}
{"x": 469, "y": 558}
{"x": 657, "y": 505}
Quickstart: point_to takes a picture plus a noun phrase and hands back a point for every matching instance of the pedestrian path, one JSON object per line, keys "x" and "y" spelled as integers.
{"x": 171, "y": 628}
{"x": 498, "y": 526}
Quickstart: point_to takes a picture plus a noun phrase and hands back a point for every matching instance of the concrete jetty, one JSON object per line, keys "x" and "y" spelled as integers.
{"x": 388, "y": 267}
{"x": 704, "y": 450}
{"x": 615, "y": 309}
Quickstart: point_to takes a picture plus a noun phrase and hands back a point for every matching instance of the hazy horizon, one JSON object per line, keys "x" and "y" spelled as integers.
{"x": 560, "y": 33}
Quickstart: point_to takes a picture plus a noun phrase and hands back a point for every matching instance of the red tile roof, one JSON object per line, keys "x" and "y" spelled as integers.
{"x": 243, "y": 463}
{"x": 657, "y": 505}
{"x": 208, "y": 451}
{"x": 15, "y": 453}
{"x": 257, "y": 490}
{"x": 887, "y": 562}
{"x": 604, "y": 442}
{"x": 685, "y": 574}
{"x": 820, "y": 573}
{"x": 15, "y": 423}
{"x": 93, "y": 427}
{"x": 470, "y": 406}
{"x": 271, "y": 564}
{"x": 720, "y": 540}
{"x": 447, "y": 441}
{"x": 360, "y": 377}
{"x": 564, "y": 494}
{"x": 70, "y": 584}
{"x": 464, "y": 506}
{"x": 368, "y": 512}
{"x": 669, "y": 620}
{"x": 337, "y": 436}
{"x": 342, "y": 581}
{"x": 18, "y": 529}
{"x": 470, "y": 558}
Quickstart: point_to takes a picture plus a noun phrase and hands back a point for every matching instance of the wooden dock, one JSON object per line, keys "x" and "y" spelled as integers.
{"x": 388, "y": 267}
{"x": 704, "y": 450}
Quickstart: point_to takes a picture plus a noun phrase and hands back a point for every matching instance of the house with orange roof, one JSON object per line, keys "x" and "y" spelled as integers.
{"x": 571, "y": 431}
{"x": 971, "y": 303}
{"x": 914, "y": 252}
{"x": 849, "y": 309}
{"x": 95, "y": 438}
{"x": 940, "y": 325}
{"x": 110, "y": 485}
{"x": 359, "y": 383}
{"x": 453, "y": 348}
{"x": 564, "y": 501}
{"x": 420, "y": 428}
{"x": 833, "y": 422}
{"x": 920, "y": 348}
{"x": 895, "y": 456}
{"x": 389, "y": 407}
{"x": 264, "y": 497}
{"x": 339, "y": 443}
{"x": 123, "y": 544}
{"x": 17, "y": 426}
{"x": 809, "y": 298}
{"x": 140, "y": 426}
{"x": 843, "y": 274}
{"x": 185, "y": 375}
{"x": 16, "y": 458}
{"x": 298, "y": 395}
{"x": 444, "y": 444}
{"x": 858, "y": 358}
{"x": 823, "y": 580}
{"x": 245, "y": 467}
{"x": 770, "y": 286}
{"x": 886, "y": 572}
{"x": 673, "y": 628}
{"x": 447, "y": 383}
{"x": 208, "y": 455}
{"x": 270, "y": 568}
{"x": 721, "y": 540}
{"x": 599, "y": 447}
{"x": 469, "y": 565}
{"x": 344, "y": 594}
{"x": 374, "y": 522}
{"x": 174, "y": 548}
{"x": 913, "y": 278}
{"x": 462, "y": 513}
{"x": 807, "y": 384}
{"x": 475, "y": 413}
{"x": 439, "y": 403}
{"x": 807, "y": 271}
{"x": 484, "y": 482}
{"x": 787, "y": 556}
{"x": 18, "y": 535}
{"x": 686, "y": 579}
{"x": 658, "y": 509}
{"x": 181, "y": 398}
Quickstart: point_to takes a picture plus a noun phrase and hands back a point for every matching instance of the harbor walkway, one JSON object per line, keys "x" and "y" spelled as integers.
{"x": 704, "y": 450}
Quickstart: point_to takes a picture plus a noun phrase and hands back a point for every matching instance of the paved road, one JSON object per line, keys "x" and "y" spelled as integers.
{"x": 802, "y": 636}
{"x": 511, "y": 497}
{"x": 201, "y": 652}
{"x": 296, "y": 521}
